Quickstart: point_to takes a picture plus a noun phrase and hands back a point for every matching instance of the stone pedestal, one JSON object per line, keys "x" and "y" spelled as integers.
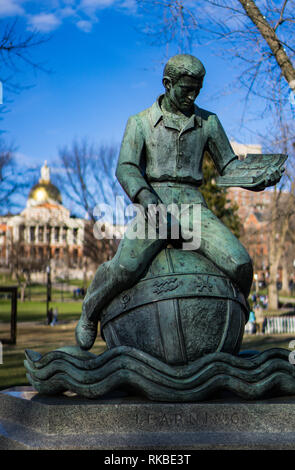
{"x": 31, "y": 421}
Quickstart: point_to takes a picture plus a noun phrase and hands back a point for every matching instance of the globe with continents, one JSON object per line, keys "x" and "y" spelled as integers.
{"x": 183, "y": 308}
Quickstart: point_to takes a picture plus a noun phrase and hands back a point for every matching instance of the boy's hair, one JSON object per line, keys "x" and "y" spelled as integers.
{"x": 184, "y": 64}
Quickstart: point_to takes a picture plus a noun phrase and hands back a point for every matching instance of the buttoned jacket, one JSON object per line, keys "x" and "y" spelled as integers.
{"x": 154, "y": 149}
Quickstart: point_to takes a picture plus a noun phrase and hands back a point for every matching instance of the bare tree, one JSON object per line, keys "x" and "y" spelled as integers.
{"x": 261, "y": 39}
{"x": 88, "y": 179}
{"x": 282, "y": 210}
{"x": 279, "y": 224}
{"x": 269, "y": 30}
{"x": 15, "y": 57}
{"x": 287, "y": 267}
{"x": 14, "y": 179}
{"x": 22, "y": 262}
{"x": 8, "y": 182}
{"x": 16, "y": 54}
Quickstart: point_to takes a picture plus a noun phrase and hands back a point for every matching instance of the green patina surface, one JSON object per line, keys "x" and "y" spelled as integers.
{"x": 187, "y": 302}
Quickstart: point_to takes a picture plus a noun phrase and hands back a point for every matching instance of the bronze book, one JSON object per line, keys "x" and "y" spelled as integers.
{"x": 251, "y": 171}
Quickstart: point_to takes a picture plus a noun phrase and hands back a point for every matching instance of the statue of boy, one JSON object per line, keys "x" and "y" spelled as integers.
{"x": 161, "y": 162}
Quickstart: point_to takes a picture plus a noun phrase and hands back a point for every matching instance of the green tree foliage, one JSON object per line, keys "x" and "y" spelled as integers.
{"x": 217, "y": 199}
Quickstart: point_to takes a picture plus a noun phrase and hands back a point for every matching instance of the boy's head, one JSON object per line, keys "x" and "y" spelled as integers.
{"x": 184, "y": 64}
{"x": 183, "y": 79}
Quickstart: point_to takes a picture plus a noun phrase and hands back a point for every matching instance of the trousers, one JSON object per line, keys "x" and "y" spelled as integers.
{"x": 134, "y": 255}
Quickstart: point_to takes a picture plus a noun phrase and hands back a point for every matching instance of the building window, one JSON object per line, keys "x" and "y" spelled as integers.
{"x": 48, "y": 233}
{"x": 75, "y": 236}
{"x": 56, "y": 253}
{"x": 33, "y": 252}
{"x": 64, "y": 233}
{"x": 32, "y": 234}
{"x": 41, "y": 253}
{"x": 56, "y": 234}
{"x": 75, "y": 256}
{"x": 41, "y": 234}
{"x": 21, "y": 233}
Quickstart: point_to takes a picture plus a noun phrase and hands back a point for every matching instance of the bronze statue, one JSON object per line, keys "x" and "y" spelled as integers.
{"x": 173, "y": 318}
{"x": 161, "y": 162}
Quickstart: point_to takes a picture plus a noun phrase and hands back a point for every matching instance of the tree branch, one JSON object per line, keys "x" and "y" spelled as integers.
{"x": 268, "y": 33}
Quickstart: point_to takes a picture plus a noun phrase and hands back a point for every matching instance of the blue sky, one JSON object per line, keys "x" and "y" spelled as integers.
{"x": 102, "y": 71}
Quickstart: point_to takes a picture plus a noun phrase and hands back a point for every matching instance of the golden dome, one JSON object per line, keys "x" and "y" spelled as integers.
{"x": 44, "y": 191}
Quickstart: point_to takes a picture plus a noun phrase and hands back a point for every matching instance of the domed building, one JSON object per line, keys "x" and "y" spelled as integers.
{"x": 44, "y": 191}
{"x": 44, "y": 233}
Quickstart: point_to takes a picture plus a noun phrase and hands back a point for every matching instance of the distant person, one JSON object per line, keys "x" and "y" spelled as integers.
{"x": 264, "y": 325}
{"x": 252, "y": 321}
{"x": 259, "y": 314}
{"x": 54, "y": 317}
{"x": 49, "y": 316}
{"x": 265, "y": 303}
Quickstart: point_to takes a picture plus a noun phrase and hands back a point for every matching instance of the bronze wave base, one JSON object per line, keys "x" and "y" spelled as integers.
{"x": 256, "y": 376}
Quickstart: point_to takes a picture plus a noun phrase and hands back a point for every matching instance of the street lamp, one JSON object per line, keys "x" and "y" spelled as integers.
{"x": 256, "y": 283}
{"x": 62, "y": 278}
{"x": 48, "y": 291}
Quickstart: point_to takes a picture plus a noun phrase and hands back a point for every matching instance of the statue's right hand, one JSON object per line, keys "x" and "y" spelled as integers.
{"x": 155, "y": 211}
{"x": 146, "y": 198}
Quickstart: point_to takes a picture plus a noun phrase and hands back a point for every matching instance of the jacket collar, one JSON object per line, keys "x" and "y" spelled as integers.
{"x": 157, "y": 115}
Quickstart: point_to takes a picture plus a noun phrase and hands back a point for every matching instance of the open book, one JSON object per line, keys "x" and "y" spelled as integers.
{"x": 251, "y": 171}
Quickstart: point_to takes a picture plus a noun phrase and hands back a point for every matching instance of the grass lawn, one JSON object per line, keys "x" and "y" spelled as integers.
{"x": 78, "y": 282}
{"x": 262, "y": 342}
{"x": 39, "y": 292}
{"x": 36, "y": 311}
{"x": 37, "y": 335}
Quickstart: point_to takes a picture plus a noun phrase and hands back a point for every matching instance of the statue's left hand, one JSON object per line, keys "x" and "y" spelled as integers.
{"x": 272, "y": 177}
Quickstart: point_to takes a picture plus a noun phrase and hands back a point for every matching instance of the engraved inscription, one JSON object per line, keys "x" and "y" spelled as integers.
{"x": 163, "y": 420}
{"x": 165, "y": 285}
{"x": 203, "y": 284}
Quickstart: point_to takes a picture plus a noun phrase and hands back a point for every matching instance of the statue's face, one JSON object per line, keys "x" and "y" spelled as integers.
{"x": 184, "y": 92}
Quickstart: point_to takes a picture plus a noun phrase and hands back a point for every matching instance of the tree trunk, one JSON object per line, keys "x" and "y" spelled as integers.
{"x": 85, "y": 274}
{"x": 22, "y": 292}
{"x": 285, "y": 277}
{"x": 273, "y": 296}
{"x": 269, "y": 34}
{"x": 277, "y": 237}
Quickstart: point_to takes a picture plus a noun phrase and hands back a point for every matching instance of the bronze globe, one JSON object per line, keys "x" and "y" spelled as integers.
{"x": 185, "y": 306}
